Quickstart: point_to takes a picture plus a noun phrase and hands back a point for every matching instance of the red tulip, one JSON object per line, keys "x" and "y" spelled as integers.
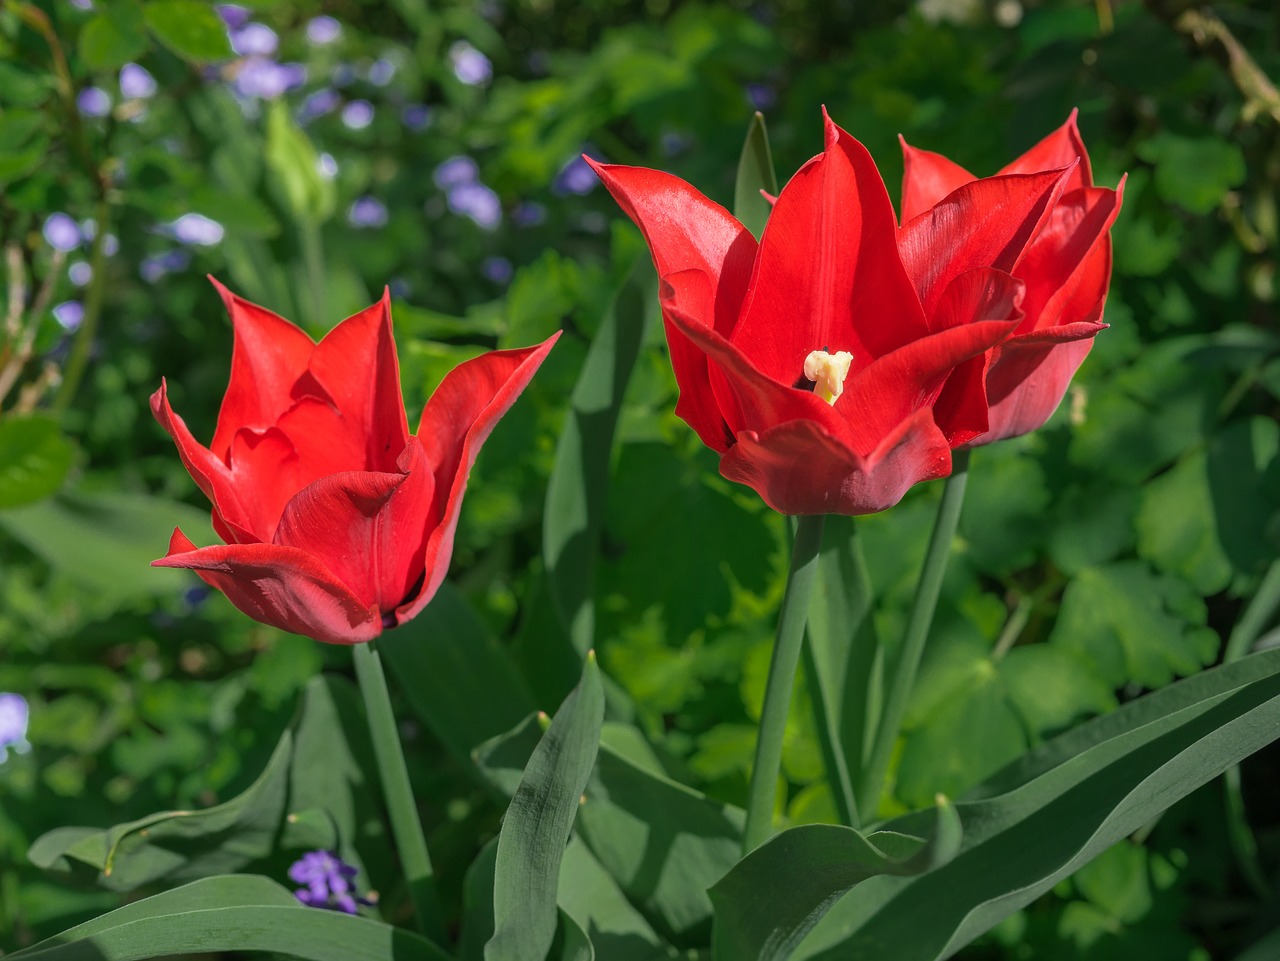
{"x": 1066, "y": 268}
{"x": 338, "y": 523}
{"x": 809, "y": 361}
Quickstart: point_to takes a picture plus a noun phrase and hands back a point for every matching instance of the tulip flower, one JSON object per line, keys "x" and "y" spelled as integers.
{"x": 1066, "y": 269}
{"x": 812, "y": 361}
{"x": 337, "y": 522}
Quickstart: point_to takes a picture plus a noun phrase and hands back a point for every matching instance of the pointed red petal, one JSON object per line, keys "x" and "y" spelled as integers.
{"x": 1029, "y": 376}
{"x": 985, "y": 223}
{"x": 357, "y": 365}
{"x": 456, "y": 422}
{"x": 927, "y": 178}
{"x": 687, "y": 231}
{"x": 799, "y": 469}
{"x": 828, "y": 273}
{"x": 1061, "y": 148}
{"x": 269, "y": 356}
{"x": 280, "y": 586}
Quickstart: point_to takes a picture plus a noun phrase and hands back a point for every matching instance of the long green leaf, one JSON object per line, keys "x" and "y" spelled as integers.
{"x": 537, "y": 825}
{"x": 1045, "y": 817}
{"x": 230, "y": 913}
{"x": 177, "y": 845}
{"x": 774, "y": 896}
{"x": 755, "y": 173}
{"x": 579, "y": 482}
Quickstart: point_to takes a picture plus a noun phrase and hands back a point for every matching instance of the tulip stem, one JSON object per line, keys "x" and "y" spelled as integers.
{"x": 398, "y": 795}
{"x": 926, "y": 602}
{"x": 782, "y": 675}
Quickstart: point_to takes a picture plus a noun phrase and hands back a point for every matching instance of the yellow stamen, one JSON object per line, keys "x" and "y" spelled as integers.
{"x": 828, "y": 373}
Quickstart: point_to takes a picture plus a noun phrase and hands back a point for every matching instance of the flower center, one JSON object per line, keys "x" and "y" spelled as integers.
{"x": 827, "y": 372}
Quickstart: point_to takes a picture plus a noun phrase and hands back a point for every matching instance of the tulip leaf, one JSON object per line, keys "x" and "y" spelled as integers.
{"x": 755, "y": 173}
{"x": 579, "y": 482}
{"x": 190, "y": 29}
{"x": 575, "y": 945}
{"x": 177, "y": 845}
{"x": 1055, "y": 809}
{"x": 456, "y": 677}
{"x": 34, "y": 459}
{"x": 230, "y": 913}
{"x": 537, "y": 824}
{"x": 776, "y": 894}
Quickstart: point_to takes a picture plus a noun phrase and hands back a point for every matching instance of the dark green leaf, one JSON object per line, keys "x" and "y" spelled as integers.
{"x": 593, "y": 899}
{"x": 574, "y": 943}
{"x": 1193, "y": 172}
{"x": 776, "y": 894}
{"x": 537, "y": 825}
{"x": 113, "y": 37}
{"x": 755, "y": 173}
{"x": 189, "y": 28}
{"x": 34, "y": 458}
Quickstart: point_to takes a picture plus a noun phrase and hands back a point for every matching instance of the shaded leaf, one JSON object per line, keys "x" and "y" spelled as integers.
{"x": 190, "y": 29}
{"x": 113, "y": 37}
{"x": 34, "y": 458}
{"x": 755, "y": 173}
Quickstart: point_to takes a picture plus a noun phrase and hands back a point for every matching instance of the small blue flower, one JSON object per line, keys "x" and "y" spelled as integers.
{"x": 367, "y": 212}
{"x": 381, "y": 71}
{"x": 197, "y": 229}
{"x": 80, "y": 273}
{"x": 323, "y": 101}
{"x": 456, "y": 171}
{"x": 761, "y": 96}
{"x": 358, "y": 114}
{"x": 233, "y": 15}
{"x": 323, "y": 30}
{"x": 69, "y": 314}
{"x": 327, "y": 166}
{"x": 470, "y": 65}
{"x": 416, "y": 116}
{"x": 575, "y": 177}
{"x": 478, "y": 202}
{"x": 94, "y": 102}
{"x": 61, "y": 232}
{"x": 156, "y": 266}
{"x": 497, "y": 269}
{"x": 327, "y": 881}
{"x": 14, "y": 715}
{"x": 254, "y": 39}
{"x": 264, "y": 78}
{"x": 136, "y": 82}
{"x": 529, "y": 213}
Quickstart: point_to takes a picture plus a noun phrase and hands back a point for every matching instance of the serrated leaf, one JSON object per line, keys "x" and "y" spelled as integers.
{"x": 537, "y": 825}
{"x": 34, "y": 457}
{"x": 189, "y": 28}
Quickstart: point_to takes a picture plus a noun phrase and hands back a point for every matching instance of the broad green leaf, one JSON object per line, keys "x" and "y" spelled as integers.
{"x": 456, "y": 677}
{"x": 113, "y": 37}
{"x": 537, "y": 825}
{"x": 230, "y": 913}
{"x": 1004, "y": 505}
{"x": 177, "y": 845}
{"x": 776, "y": 894}
{"x": 579, "y": 482}
{"x": 17, "y": 127}
{"x": 1054, "y": 810}
{"x": 15, "y": 164}
{"x": 189, "y": 28}
{"x": 575, "y": 945}
{"x": 477, "y": 904}
{"x": 1193, "y": 172}
{"x": 501, "y": 760}
{"x": 755, "y": 173}
{"x": 34, "y": 458}
{"x": 106, "y": 541}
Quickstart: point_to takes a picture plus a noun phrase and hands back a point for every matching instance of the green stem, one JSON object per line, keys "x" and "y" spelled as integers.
{"x": 313, "y": 266}
{"x": 782, "y": 675}
{"x": 926, "y": 602}
{"x": 82, "y": 344}
{"x": 405, "y": 825}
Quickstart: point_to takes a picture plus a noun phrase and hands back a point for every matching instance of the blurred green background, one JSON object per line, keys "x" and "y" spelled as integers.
{"x": 307, "y": 154}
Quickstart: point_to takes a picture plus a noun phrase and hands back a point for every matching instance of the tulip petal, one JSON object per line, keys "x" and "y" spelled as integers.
{"x": 799, "y": 469}
{"x": 828, "y": 275}
{"x": 927, "y": 178}
{"x": 356, "y": 363}
{"x": 280, "y": 586}
{"x": 687, "y": 231}
{"x": 985, "y": 223}
{"x": 1060, "y": 149}
{"x": 1028, "y": 377}
{"x": 209, "y": 472}
{"x": 268, "y": 358}
{"x": 457, "y": 420}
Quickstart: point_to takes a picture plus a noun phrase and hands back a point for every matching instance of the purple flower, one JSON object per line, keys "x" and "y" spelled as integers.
{"x": 529, "y": 213}
{"x": 381, "y": 71}
{"x": 261, "y": 77}
{"x": 575, "y": 177}
{"x": 254, "y": 40}
{"x": 497, "y": 269}
{"x": 322, "y": 30}
{"x": 136, "y": 82}
{"x": 79, "y": 273}
{"x": 323, "y": 101}
{"x": 82, "y": 4}
{"x": 14, "y": 714}
{"x": 399, "y": 287}
{"x": 233, "y": 15}
{"x": 94, "y": 102}
{"x": 343, "y": 74}
{"x": 416, "y": 116}
{"x": 478, "y": 202}
{"x": 110, "y": 245}
{"x": 69, "y": 314}
{"x": 761, "y": 96}
{"x": 470, "y": 65}
{"x": 367, "y": 212}
{"x": 156, "y": 266}
{"x": 197, "y": 229}
{"x": 327, "y": 882}
{"x": 61, "y": 232}
{"x": 358, "y": 114}
{"x": 674, "y": 142}
{"x": 326, "y": 166}
{"x": 456, "y": 171}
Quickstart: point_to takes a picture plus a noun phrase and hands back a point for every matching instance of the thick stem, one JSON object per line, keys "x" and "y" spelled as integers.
{"x": 405, "y": 825}
{"x": 926, "y": 602}
{"x": 782, "y": 675}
